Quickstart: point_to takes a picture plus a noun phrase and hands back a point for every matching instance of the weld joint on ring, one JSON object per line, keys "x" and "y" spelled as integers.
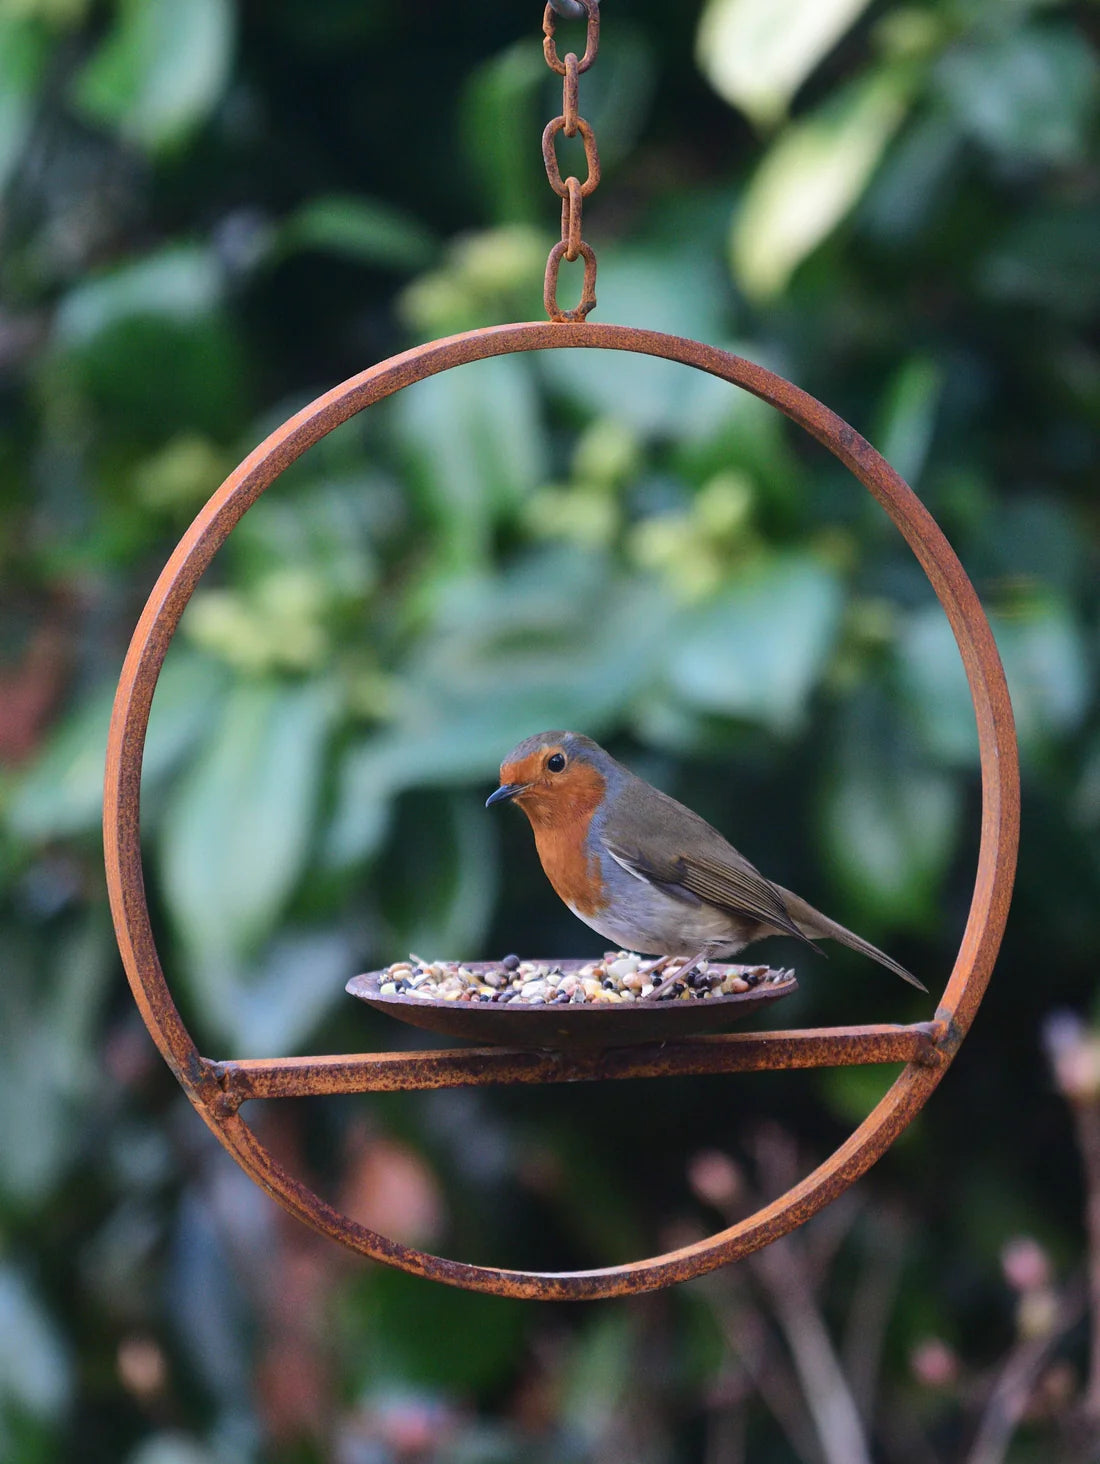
{"x": 227, "y": 1098}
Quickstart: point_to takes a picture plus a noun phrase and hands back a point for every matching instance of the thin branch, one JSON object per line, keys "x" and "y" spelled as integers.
{"x": 782, "y": 1270}
{"x": 836, "y": 1418}
{"x": 1016, "y": 1384}
{"x": 747, "y": 1338}
{"x": 1087, "y": 1121}
{"x": 827, "y": 1233}
{"x": 869, "y": 1315}
{"x": 725, "y": 1439}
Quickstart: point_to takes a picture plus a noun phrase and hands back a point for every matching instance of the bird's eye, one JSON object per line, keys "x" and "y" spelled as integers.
{"x": 556, "y": 762}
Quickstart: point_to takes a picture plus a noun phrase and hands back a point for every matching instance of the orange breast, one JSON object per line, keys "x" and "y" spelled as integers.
{"x": 560, "y": 816}
{"x": 573, "y": 873}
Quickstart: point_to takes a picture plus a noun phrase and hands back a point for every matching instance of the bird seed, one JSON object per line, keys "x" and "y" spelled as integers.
{"x": 619, "y": 977}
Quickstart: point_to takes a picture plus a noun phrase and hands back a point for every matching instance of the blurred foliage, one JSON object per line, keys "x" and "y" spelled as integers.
{"x": 209, "y": 214}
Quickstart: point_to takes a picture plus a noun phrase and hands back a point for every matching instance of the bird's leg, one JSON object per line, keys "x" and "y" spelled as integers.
{"x": 682, "y": 972}
{"x": 654, "y": 968}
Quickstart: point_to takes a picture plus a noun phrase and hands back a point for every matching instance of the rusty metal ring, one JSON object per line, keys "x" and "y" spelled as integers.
{"x": 214, "y": 1087}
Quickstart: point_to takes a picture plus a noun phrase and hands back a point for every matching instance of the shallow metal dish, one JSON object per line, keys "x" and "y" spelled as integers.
{"x": 582, "y": 1025}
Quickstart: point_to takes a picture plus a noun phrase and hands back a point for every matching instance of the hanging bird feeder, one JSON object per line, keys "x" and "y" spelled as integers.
{"x": 655, "y": 1046}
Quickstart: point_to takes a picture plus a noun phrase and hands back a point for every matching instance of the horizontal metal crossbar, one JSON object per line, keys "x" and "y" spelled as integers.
{"x": 475, "y": 1067}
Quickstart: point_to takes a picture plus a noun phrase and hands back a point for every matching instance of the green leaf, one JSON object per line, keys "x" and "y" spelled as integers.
{"x": 151, "y": 347}
{"x": 758, "y": 651}
{"x": 500, "y": 96}
{"x": 399, "y": 1314}
{"x": 852, "y": 1092}
{"x": 324, "y": 532}
{"x": 599, "y": 1376}
{"x": 1038, "y": 542}
{"x": 890, "y": 823}
{"x": 933, "y": 682}
{"x": 907, "y": 194}
{"x": 1050, "y": 677}
{"x": 237, "y": 827}
{"x": 890, "y": 837}
{"x": 1048, "y": 259}
{"x": 23, "y": 54}
{"x": 35, "y": 1368}
{"x": 62, "y": 792}
{"x": 907, "y": 416}
{"x": 757, "y": 53}
{"x": 360, "y": 817}
{"x": 477, "y": 442}
{"x": 1029, "y": 95}
{"x": 361, "y": 229}
{"x": 61, "y": 795}
{"x": 161, "y": 70}
{"x": 275, "y": 1004}
{"x": 441, "y": 878}
{"x": 1046, "y": 662}
{"x": 753, "y": 438}
{"x": 51, "y": 1004}
{"x": 177, "y": 283}
{"x": 811, "y": 177}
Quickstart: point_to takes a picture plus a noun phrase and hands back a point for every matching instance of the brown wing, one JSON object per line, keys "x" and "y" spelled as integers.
{"x": 656, "y": 838}
{"x": 733, "y": 885}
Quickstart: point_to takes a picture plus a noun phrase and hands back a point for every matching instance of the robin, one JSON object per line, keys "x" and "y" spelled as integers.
{"x": 643, "y": 870}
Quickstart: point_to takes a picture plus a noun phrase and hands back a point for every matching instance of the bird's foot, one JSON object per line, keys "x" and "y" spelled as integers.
{"x": 680, "y": 974}
{"x": 655, "y": 968}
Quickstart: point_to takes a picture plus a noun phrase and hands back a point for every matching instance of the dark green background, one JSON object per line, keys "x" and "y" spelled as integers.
{"x": 209, "y": 215}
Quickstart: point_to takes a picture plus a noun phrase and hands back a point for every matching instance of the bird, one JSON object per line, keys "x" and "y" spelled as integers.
{"x": 643, "y": 870}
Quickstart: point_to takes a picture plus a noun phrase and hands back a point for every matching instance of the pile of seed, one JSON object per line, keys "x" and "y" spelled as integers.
{"x": 619, "y": 977}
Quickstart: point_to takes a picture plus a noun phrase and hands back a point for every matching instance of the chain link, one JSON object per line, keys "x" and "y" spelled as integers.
{"x": 571, "y": 190}
{"x": 571, "y": 219}
{"x": 569, "y": 94}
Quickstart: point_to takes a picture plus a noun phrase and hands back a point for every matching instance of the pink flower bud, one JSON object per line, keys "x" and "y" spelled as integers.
{"x": 715, "y": 1179}
{"x": 934, "y": 1364}
{"x": 1073, "y": 1051}
{"x": 1025, "y": 1263}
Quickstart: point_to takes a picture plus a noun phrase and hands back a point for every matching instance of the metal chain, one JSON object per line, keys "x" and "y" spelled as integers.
{"x": 570, "y": 190}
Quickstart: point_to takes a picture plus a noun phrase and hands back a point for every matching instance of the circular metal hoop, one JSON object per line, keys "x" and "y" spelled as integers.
{"x": 216, "y": 1089}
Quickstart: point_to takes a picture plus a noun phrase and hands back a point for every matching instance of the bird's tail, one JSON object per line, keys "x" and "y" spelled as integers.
{"x": 812, "y": 923}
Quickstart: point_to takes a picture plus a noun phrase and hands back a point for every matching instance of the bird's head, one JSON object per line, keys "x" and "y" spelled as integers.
{"x": 554, "y": 777}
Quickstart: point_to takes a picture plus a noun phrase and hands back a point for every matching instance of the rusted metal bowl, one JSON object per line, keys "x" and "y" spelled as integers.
{"x": 566, "y": 1027}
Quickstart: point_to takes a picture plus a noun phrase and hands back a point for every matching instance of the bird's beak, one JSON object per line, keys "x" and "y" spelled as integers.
{"x": 506, "y": 790}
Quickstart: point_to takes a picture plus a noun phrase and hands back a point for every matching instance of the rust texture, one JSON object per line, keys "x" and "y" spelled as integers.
{"x": 217, "y": 1089}
{"x": 591, "y": 40}
{"x": 550, "y": 282}
{"x": 591, "y": 155}
{"x": 480, "y": 1067}
{"x": 571, "y": 191}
